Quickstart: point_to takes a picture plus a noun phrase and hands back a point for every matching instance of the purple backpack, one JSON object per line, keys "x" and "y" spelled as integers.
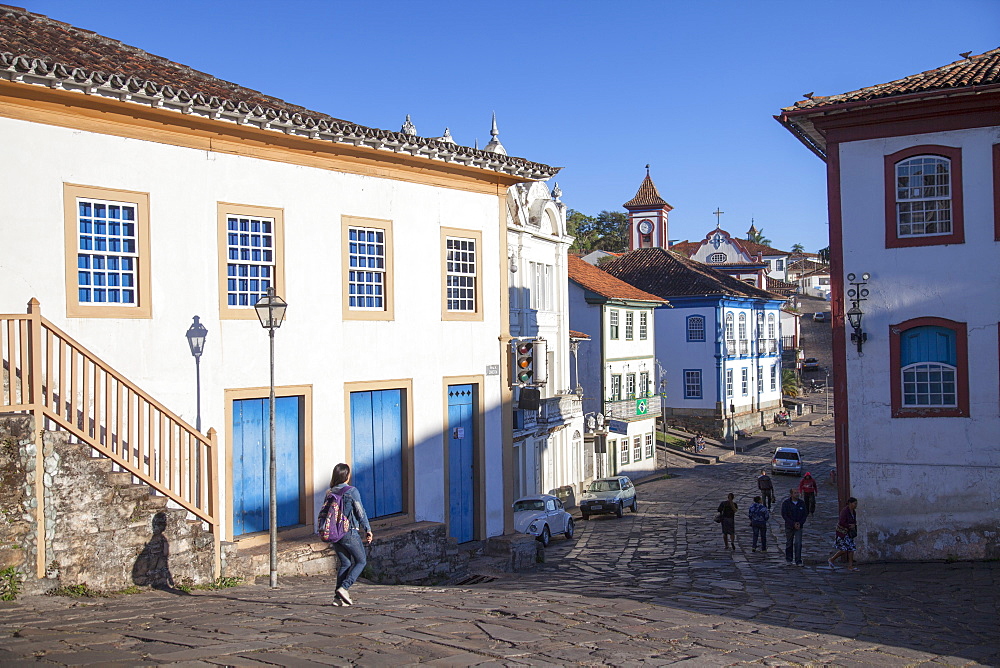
{"x": 333, "y": 523}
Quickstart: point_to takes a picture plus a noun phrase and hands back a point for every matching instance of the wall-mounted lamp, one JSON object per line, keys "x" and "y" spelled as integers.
{"x": 857, "y": 294}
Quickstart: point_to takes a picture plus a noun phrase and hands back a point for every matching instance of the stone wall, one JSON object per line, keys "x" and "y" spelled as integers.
{"x": 100, "y": 529}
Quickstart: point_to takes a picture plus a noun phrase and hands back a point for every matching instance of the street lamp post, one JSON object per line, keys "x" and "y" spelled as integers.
{"x": 271, "y": 311}
{"x": 196, "y": 335}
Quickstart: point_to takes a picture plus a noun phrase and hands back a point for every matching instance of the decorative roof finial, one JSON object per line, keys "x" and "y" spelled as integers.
{"x": 647, "y": 169}
{"x": 446, "y": 137}
{"x": 409, "y": 128}
{"x": 718, "y": 217}
{"x": 556, "y": 192}
{"x": 495, "y": 146}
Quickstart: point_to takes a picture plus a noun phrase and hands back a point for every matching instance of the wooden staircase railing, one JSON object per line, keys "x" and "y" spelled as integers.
{"x": 69, "y": 388}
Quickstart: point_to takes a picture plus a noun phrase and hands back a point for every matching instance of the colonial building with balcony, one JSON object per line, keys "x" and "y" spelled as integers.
{"x": 547, "y": 439}
{"x": 618, "y": 370}
{"x": 718, "y": 345}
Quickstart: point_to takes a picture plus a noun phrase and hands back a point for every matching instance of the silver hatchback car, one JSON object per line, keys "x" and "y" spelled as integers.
{"x": 786, "y": 460}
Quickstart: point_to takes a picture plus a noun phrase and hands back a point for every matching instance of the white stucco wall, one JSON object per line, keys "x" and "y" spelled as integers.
{"x": 927, "y": 487}
{"x": 315, "y": 346}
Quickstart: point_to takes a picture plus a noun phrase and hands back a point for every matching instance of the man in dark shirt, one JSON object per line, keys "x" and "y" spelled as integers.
{"x": 766, "y": 488}
{"x": 794, "y": 512}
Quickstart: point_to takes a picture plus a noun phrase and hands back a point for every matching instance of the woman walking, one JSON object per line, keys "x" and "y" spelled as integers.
{"x": 727, "y": 510}
{"x": 847, "y": 530}
{"x": 344, "y": 500}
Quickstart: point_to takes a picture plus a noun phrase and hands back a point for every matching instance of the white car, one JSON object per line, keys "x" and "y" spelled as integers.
{"x": 542, "y": 515}
{"x": 608, "y": 495}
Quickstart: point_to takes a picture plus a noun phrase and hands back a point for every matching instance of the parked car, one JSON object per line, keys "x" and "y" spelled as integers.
{"x": 819, "y": 316}
{"x": 541, "y": 516}
{"x": 786, "y": 460}
{"x": 810, "y": 364}
{"x": 609, "y": 495}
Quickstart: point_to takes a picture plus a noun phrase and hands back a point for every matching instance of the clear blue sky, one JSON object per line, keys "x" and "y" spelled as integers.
{"x": 598, "y": 88}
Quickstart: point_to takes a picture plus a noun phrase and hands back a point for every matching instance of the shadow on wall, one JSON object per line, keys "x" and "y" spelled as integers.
{"x": 152, "y": 565}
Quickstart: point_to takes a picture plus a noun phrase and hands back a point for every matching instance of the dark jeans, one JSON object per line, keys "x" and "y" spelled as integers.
{"x": 351, "y": 555}
{"x": 793, "y": 545}
{"x": 768, "y": 495}
{"x": 762, "y": 533}
{"x": 810, "y": 499}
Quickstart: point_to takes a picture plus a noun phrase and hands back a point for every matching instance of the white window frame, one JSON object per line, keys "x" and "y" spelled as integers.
{"x": 693, "y": 384}
{"x": 771, "y": 331}
{"x": 643, "y": 325}
{"x": 729, "y": 382}
{"x": 929, "y": 375}
{"x": 919, "y": 199}
{"x": 717, "y": 258}
{"x": 624, "y": 443}
{"x": 745, "y": 381}
{"x": 643, "y": 388}
{"x": 616, "y": 387}
{"x": 613, "y": 324}
{"x": 637, "y": 449}
{"x": 650, "y": 451}
{"x": 774, "y": 377}
{"x": 760, "y": 380}
{"x": 696, "y": 331}
{"x": 629, "y": 325}
{"x": 630, "y": 386}
{"x": 108, "y": 252}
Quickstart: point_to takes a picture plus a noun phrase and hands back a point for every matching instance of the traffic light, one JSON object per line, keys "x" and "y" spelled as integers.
{"x": 524, "y": 362}
{"x": 529, "y": 361}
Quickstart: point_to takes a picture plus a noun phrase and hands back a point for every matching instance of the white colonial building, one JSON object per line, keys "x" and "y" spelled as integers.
{"x": 913, "y": 170}
{"x": 547, "y": 440}
{"x": 139, "y": 193}
{"x": 617, "y": 370}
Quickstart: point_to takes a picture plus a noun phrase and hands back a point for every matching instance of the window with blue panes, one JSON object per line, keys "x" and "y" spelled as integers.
{"x": 107, "y": 254}
{"x": 461, "y": 274}
{"x": 366, "y": 276}
{"x": 249, "y": 259}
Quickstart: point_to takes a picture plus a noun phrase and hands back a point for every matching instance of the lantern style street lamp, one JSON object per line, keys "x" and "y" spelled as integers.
{"x": 271, "y": 312}
{"x": 196, "y": 335}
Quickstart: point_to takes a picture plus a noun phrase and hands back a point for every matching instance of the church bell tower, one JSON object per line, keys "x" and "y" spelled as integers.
{"x": 647, "y": 217}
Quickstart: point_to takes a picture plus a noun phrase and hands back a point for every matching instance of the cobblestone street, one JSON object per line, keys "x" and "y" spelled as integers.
{"x": 654, "y": 588}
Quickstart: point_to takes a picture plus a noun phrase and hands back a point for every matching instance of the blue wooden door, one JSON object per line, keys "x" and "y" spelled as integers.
{"x": 377, "y": 450}
{"x": 461, "y": 438}
{"x": 251, "y": 462}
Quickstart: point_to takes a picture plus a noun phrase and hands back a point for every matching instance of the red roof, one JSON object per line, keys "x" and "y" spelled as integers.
{"x": 606, "y": 285}
{"x": 647, "y": 196}
{"x": 981, "y": 70}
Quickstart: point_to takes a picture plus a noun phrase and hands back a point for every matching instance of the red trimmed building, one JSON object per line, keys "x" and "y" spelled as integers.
{"x": 913, "y": 173}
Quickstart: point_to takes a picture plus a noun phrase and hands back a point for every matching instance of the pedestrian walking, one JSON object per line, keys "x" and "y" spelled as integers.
{"x": 759, "y": 515}
{"x": 727, "y": 511}
{"x": 808, "y": 489}
{"x": 847, "y": 531}
{"x": 794, "y": 512}
{"x": 343, "y": 505}
{"x": 766, "y": 488}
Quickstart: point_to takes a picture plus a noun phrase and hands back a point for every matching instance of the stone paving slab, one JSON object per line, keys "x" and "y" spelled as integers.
{"x": 665, "y": 593}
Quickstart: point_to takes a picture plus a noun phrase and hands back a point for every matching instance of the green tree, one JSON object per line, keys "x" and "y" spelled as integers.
{"x": 789, "y": 383}
{"x": 798, "y": 248}
{"x": 608, "y": 231}
{"x": 758, "y": 238}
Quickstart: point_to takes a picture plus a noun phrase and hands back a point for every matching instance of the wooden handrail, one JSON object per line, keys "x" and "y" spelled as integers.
{"x": 54, "y": 376}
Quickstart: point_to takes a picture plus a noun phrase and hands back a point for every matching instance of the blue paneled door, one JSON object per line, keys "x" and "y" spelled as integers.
{"x": 251, "y": 462}
{"x": 377, "y": 450}
{"x": 461, "y": 473}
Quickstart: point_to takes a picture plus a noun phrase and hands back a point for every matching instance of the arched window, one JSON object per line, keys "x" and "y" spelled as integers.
{"x": 928, "y": 358}
{"x": 730, "y": 332}
{"x": 717, "y": 258}
{"x": 696, "y": 328}
{"x": 743, "y": 326}
{"x": 770, "y": 326}
{"x": 923, "y": 196}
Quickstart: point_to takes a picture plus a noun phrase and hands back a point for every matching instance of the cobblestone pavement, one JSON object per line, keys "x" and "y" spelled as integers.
{"x": 651, "y": 588}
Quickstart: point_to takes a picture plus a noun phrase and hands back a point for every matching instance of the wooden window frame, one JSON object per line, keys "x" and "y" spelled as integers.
{"x": 957, "y": 235}
{"x": 223, "y": 211}
{"x": 961, "y": 370}
{"x": 477, "y": 237}
{"x": 143, "y": 308}
{"x": 388, "y": 311}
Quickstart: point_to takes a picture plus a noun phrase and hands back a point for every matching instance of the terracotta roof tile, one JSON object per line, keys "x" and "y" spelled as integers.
{"x": 981, "y": 70}
{"x": 668, "y": 274}
{"x": 578, "y": 335}
{"x": 599, "y": 281}
{"x": 780, "y": 287}
{"x": 647, "y": 196}
{"x": 37, "y": 50}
